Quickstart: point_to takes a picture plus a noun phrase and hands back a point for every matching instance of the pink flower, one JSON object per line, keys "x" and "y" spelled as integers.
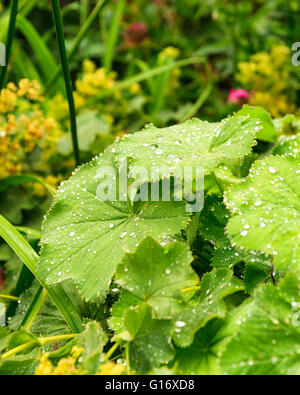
{"x": 238, "y": 96}
{"x": 136, "y": 34}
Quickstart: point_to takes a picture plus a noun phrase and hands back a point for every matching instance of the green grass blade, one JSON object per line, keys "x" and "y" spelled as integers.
{"x": 199, "y": 103}
{"x": 30, "y": 258}
{"x": 34, "y": 309}
{"x": 24, "y": 66}
{"x": 45, "y": 60}
{"x": 113, "y": 35}
{"x": 144, "y": 76}
{"x": 67, "y": 76}
{"x": 10, "y": 37}
{"x": 20, "y": 179}
{"x": 82, "y": 33}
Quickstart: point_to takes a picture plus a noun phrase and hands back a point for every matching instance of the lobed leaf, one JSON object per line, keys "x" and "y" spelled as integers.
{"x": 266, "y": 211}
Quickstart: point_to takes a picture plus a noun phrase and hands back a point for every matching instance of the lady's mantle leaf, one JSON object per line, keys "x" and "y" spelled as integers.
{"x": 157, "y": 276}
{"x": 84, "y": 238}
{"x": 266, "y": 211}
{"x": 150, "y": 340}
{"x": 268, "y": 339}
{"x": 213, "y": 222}
{"x": 215, "y": 286}
{"x": 287, "y": 145}
{"x": 202, "y": 357}
{"x": 194, "y": 143}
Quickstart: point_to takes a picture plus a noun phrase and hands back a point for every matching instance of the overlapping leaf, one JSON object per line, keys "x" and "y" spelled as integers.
{"x": 267, "y": 341}
{"x": 215, "y": 286}
{"x": 157, "y": 276}
{"x": 194, "y": 143}
{"x": 202, "y": 357}
{"x": 149, "y": 339}
{"x": 287, "y": 145}
{"x": 213, "y": 223}
{"x": 266, "y": 211}
{"x": 84, "y": 238}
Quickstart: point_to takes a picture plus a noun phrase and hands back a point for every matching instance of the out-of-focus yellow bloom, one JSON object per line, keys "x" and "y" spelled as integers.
{"x": 170, "y": 52}
{"x": 24, "y": 128}
{"x": 268, "y": 76}
{"x": 94, "y": 79}
{"x": 135, "y": 88}
{"x": 66, "y": 367}
{"x": 111, "y": 369}
{"x": 77, "y": 351}
{"x": 45, "y": 367}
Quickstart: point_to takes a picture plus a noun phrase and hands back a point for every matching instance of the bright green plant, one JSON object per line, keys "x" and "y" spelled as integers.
{"x": 215, "y": 292}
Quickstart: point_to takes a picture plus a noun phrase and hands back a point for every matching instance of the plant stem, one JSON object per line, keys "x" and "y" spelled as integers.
{"x": 30, "y": 258}
{"x": 217, "y": 181}
{"x": 42, "y": 342}
{"x": 10, "y": 298}
{"x": 34, "y": 308}
{"x": 18, "y": 349}
{"x": 113, "y": 35}
{"x": 191, "y": 289}
{"x": 272, "y": 275}
{"x": 67, "y": 76}
{"x": 143, "y": 77}
{"x": 199, "y": 103}
{"x": 10, "y": 37}
{"x": 111, "y": 351}
{"x": 127, "y": 358}
{"x": 75, "y": 45}
{"x": 45, "y": 340}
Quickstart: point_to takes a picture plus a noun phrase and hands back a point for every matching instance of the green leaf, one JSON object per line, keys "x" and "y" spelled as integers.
{"x": 84, "y": 238}
{"x": 49, "y": 321}
{"x": 157, "y": 276}
{"x": 116, "y": 321}
{"x": 268, "y": 132}
{"x": 194, "y": 143}
{"x": 268, "y": 335}
{"x": 287, "y": 145}
{"x": 21, "y": 179}
{"x": 93, "y": 340}
{"x": 215, "y": 286}
{"x": 20, "y": 365}
{"x": 202, "y": 357}
{"x": 150, "y": 340}
{"x": 2, "y": 314}
{"x": 90, "y": 125}
{"x": 256, "y": 273}
{"x": 289, "y": 125}
{"x": 266, "y": 211}
{"x": 4, "y": 338}
{"x": 213, "y": 222}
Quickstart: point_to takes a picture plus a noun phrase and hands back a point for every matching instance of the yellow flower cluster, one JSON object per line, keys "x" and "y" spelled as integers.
{"x": 111, "y": 369}
{"x": 70, "y": 366}
{"x": 267, "y": 76}
{"x": 65, "y": 367}
{"x": 13, "y": 97}
{"x": 24, "y": 127}
{"x": 94, "y": 80}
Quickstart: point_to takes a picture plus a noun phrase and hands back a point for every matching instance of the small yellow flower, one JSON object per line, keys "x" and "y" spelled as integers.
{"x": 77, "y": 351}
{"x": 111, "y": 369}
{"x": 45, "y": 367}
{"x": 65, "y": 367}
{"x": 171, "y": 52}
